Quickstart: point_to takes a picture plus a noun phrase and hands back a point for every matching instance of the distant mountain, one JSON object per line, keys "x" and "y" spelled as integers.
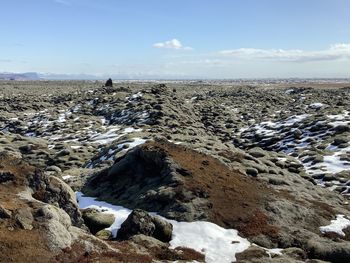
{"x": 19, "y": 76}
{"x": 82, "y": 76}
{"x": 53, "y": 76}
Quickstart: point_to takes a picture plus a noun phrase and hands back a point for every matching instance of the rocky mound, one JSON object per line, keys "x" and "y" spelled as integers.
{"x": 183, "y": 184}
{"x": 40, "y": 213}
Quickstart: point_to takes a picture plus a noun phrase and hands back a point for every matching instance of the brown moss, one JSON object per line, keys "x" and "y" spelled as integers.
{"x": 257, "y": 224}
{"x": 233, "y": 197}
{"x": 179, "y": 253}
{"x": 124, "y": 252}
{"x": 324, "y": 209}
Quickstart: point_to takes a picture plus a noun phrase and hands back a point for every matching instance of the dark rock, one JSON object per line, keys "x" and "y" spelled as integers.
{"x": 252, "y": 171}
{"x": 140, "y": 222}
{"x": 328, "y": 250}
{"x": 329, "y": 177}
{"x": 6, "y": 177}
{"x": 159, "y": 89}
{"x": 341, "y": 129}
{"x": 340, "y": 140}
{"x": 4, "y": 213}
{"x": 130, "y": 181}
{"x": 109, "y": 83}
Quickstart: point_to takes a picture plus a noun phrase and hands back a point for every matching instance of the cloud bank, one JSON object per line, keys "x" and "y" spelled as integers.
{"x": 334, "y": 52}
{"x": 171, "y": 44}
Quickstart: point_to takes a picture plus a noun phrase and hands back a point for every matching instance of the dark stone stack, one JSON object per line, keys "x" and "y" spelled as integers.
{"x": 109, "y": 83}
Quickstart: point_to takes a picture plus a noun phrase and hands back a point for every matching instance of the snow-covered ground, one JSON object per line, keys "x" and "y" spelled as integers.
{"x": 296, "y": 135}
{"x": 216, "y": 243}
{"x": 337, "y": 225}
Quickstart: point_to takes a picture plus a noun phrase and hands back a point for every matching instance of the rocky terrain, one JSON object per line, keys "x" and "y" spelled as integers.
{"x": 264, "y": 170}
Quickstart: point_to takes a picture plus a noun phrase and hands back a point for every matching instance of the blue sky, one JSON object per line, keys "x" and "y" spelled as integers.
{"x": 177, "y": 39}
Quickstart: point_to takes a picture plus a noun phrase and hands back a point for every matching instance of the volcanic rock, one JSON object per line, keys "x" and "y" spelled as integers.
{"x": 140, "y": 222}
{"x": 96, "y": 220}
{"x": 109, "y": 83}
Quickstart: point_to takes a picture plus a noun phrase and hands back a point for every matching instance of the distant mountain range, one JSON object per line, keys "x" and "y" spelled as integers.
{"x": 53, "y": 76}
{"x": 44, "y": 76}
{"x": 19, "y": 76}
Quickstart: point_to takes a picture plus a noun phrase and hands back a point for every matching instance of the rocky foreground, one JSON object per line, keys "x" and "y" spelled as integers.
{"x": 262, "y": 170}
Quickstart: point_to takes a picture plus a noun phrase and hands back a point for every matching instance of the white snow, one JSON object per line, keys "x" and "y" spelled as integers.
{"x": 120, "y": 213}
{"x": 337, "y": 225}
{"x": 137, "y": 95}
{"x": 282, "y": 159}
{"x": 339, "y": 119}
{"x": 103, "y": 120}
{"x": 294, "y": 119}
{"x": 270, "y": 251}
{"x": 331, "y": 163}
{"x": 107, "y": 137}
{"x": 317, "y": 105}
{"x": 136, "y": 142}
{"x": 61, "y": 117}
{"x": 76, "y": 146}
{"x": 216, "y": 243}
{"x": 66, "y": 177}
{"x": 273, "y": 251}
{"x": 131, "y": 129}
{"x": 269, "y": 128}
{"x": 113, "y": 133}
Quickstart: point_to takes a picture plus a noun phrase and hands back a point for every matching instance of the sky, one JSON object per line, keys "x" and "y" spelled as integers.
{"x": 177, "y": 39}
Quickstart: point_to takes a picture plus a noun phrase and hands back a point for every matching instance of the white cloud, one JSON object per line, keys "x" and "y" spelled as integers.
{"x": 334, "y": 52}
{"x": 171, "y": 44}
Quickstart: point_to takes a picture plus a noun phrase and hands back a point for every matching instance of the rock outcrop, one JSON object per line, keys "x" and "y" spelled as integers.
{"x": 183, "y": 184}
{"x": 40, "y": 213}
{"x": 109, "y": 83}
{"x": 140, "y": 222}
{"x": 96, "y": 220}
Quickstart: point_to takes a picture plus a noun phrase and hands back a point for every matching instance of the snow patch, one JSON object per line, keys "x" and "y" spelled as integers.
{"x": 216, "y": 243}
{"x": 337, "y": 225}
{"x": 66, "y": 177}
{"x": 317, "y": 105}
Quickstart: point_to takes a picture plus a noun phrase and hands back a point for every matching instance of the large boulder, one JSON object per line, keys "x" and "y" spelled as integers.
{"x": 147, "y": 178}
{"x": 140, "y": 222}
{"x": 52, "y": 190}
{"x": 96, "y": 220}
